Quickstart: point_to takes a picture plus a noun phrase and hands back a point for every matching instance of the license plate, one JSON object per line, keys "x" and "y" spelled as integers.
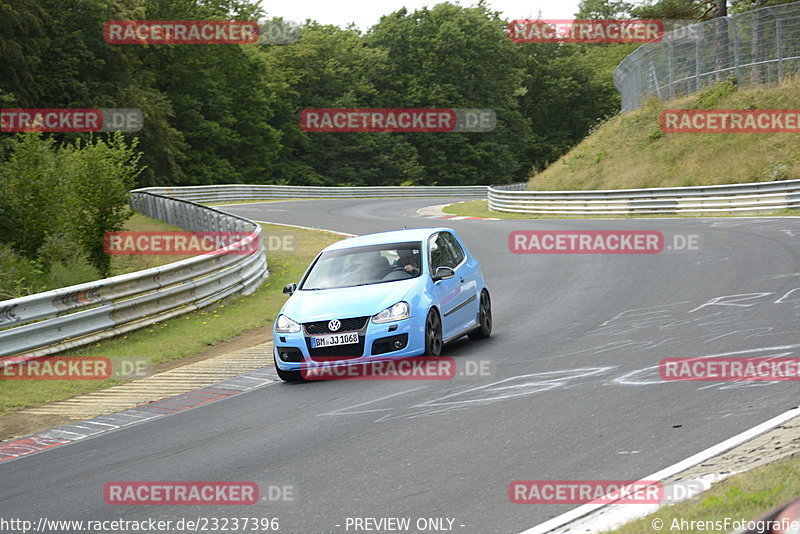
{"x": 332, "y": 340}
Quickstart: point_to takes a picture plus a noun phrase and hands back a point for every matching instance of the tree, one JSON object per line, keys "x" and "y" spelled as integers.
{"x": 99, "y": 176}
{"x": 334, "y": 68}
{"x": 455, "y": 57}
{"x": 34, "y": 193}
{"x": 722, "y": 40}
{"x": 71, "y": 193}
{"x": 676, "y": 10}
{"x": 22, "y": 43}
{"x": 602, "y": 9}
{"x": 758, "y": 50}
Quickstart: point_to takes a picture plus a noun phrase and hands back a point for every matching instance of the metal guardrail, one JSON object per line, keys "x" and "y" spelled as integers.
{"x": 53, "y": 321}
{"x": 238, "y": 192}
{"x": 50, "y": 322}
{"x": 741, "y": 198}
{"x": 758, "y": 47}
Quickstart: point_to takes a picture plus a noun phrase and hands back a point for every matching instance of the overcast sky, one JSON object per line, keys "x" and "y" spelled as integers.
{"x": 366, "y": 13}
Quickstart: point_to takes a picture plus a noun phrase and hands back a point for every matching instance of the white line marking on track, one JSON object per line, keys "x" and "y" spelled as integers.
{"x": 345, "y": 411}
{"x": 691, "y": 461}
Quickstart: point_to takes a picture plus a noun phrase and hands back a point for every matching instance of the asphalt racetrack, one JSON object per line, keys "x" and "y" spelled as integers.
{"x": 574, "y": 394}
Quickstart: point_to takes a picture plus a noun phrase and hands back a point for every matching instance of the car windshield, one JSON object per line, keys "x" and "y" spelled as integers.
{"x": 358, "y": 266}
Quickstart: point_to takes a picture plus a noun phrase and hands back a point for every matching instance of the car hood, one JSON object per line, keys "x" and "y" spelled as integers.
{"x": 305, "y": 306}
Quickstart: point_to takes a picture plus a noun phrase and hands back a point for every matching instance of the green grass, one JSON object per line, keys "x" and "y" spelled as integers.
{"x": 480, "y": 208}
{"x": 745, "y": 496}
{"x": 185, "y": 335}
{"x": 630, "y": 150}
{"x": 127, "y": 264}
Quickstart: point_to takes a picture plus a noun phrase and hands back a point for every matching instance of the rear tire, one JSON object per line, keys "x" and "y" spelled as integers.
{"x": 287, "y": 376}
{"x": 433, "y": 334}
{"x": 484, "y": 329}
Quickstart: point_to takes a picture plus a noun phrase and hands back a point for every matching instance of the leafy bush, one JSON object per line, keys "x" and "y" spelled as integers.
{"x": 66, "y": 263}
{"x": 56, "y": 204}
{"x": 18, "y": 276}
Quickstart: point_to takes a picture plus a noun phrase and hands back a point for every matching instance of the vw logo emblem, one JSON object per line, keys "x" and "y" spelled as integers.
{"x": 334, "y": 325}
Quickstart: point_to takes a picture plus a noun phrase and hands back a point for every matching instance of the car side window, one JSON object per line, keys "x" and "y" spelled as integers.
{"x": 455, "y": 247}
{"x": 441, "y": 253}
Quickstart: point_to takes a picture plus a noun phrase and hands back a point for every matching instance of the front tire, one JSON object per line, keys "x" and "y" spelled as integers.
{"x": 287, "y": 376}
{"x": 484, "y": 329}
{"x": 433, "y": 334}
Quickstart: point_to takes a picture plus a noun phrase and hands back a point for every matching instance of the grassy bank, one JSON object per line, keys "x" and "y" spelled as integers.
{"x": 631, "y": 151}
{"x": 129, "y": 264}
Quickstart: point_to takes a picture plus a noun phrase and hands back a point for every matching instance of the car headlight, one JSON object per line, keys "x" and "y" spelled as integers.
{"x": 392, "y": 313}
{"x": 285, "y": 325}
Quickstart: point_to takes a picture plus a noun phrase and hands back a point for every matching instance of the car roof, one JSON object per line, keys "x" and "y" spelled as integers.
{"x": 396, "y": 236}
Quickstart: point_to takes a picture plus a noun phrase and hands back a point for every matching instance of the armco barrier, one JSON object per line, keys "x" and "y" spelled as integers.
{"x": 238, "y": 192}
{"x": 74, "y": 316}
{"x": 738, "y": 198}
{"x": 70, "y": 317}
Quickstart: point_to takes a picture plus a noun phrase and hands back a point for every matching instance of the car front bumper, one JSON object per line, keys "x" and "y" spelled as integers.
{"x": 293, "y": 352}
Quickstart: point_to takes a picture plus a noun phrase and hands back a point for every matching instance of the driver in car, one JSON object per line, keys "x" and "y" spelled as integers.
{"x": 408, "y": 261}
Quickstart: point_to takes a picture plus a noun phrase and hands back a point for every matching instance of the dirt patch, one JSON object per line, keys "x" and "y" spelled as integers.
{"x": 17, "y": 424}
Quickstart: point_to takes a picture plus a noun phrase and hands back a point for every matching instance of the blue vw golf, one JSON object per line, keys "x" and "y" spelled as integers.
{"x": 381, "y": 296}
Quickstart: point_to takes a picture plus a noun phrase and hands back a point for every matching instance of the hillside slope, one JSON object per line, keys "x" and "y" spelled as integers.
{"x": 630, "y": 150}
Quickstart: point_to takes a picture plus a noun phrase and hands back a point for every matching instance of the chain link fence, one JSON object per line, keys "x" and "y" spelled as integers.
{"x": 759, "y": 47}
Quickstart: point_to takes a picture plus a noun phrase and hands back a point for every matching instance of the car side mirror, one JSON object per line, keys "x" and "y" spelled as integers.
{"x": 290, "y": 289}
{"x": 443, "y": 273}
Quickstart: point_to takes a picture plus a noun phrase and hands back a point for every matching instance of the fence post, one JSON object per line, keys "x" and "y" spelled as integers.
{"x": 670, "y": 68}
{"x": 714, "y": 54}
{"x": 697, "y": 59}
{"x": 736, "y": 61}
{"x": 779, "y": 39}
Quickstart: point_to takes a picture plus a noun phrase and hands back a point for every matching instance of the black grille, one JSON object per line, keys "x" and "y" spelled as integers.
{"x": 290, "y": 354}
{"x": 336, "y": 352}
{"x": 348, "y": 325}
{"x": 386, "y": 344}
